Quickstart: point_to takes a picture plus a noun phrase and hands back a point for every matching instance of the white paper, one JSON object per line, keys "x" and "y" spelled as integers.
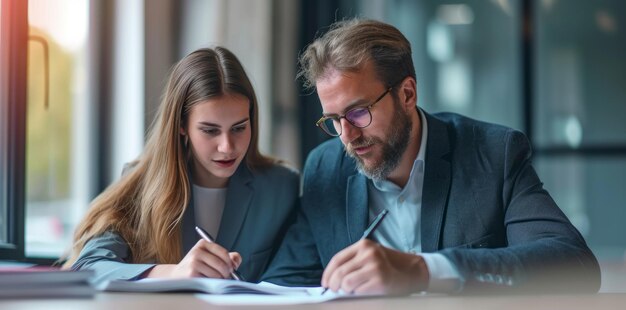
{"x": 290, "y": 296}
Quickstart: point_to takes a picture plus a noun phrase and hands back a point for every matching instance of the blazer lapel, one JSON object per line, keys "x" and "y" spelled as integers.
{"x": 356, "y": 207}
{"x": 238, "y": 199}
{"x": 437, "y": 176}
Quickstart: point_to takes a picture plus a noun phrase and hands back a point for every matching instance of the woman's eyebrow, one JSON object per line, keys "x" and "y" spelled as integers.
{"x": 220, "y": 126}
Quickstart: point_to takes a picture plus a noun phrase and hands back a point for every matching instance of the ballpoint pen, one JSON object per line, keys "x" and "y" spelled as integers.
{"x": 205, "y": 235}
{"x": 369, "y": 231}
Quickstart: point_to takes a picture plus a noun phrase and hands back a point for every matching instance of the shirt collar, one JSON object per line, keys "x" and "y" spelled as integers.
{"x": 385, "y": 185}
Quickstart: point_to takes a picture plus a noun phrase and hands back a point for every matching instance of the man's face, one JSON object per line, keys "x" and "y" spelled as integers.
{"x": 377, "y": 148}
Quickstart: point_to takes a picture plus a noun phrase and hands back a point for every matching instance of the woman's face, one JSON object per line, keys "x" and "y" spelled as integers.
{"x": 219, "y": 135}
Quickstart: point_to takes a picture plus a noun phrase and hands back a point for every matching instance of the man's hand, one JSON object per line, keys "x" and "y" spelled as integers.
{"x": 203, "y": 260}
{"x": 366, "y": 267}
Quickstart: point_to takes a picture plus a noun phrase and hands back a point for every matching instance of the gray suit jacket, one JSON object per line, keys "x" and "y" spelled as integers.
{"x": 259, "y": 205}
{"x": 483, "y": 207}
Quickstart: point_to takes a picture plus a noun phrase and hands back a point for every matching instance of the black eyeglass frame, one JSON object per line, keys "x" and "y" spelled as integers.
{"x": 321, "y": 122}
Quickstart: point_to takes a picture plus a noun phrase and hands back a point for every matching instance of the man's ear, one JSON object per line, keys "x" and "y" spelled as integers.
{"x": 408, "y": 93}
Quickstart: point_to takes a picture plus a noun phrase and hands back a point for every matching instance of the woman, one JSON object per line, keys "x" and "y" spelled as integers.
{"x": 201, "y": 166}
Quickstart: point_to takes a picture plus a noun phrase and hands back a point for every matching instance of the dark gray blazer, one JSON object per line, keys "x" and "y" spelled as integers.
{"x": 259, "y": 206}
{"x": 483, "y": 207}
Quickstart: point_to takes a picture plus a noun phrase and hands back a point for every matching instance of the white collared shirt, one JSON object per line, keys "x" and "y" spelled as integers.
{"x": 401, "y": 229}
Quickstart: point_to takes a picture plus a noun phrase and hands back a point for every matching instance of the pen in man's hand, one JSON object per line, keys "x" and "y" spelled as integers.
{"x": 205, "y": 235}
{"x": 369, "y": 231}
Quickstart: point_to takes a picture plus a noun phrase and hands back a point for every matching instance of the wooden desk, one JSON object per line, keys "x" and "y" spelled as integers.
{"x": 120, "y": 301}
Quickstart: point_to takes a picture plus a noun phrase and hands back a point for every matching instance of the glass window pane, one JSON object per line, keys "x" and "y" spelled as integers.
{"x": 580, "y": 73}
{"x": 466, "y": 54}
{"x": 55, "y": 124}
{"x": 591, "y": 192}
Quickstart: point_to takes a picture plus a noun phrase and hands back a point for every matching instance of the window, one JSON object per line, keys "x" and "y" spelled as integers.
{"x": 579, "y": 108}
{"x": 57, "y": 135}
{"x": 466, "y": 56}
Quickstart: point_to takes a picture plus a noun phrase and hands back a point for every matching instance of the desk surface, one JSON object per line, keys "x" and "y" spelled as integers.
{"x": 118, "y": 301}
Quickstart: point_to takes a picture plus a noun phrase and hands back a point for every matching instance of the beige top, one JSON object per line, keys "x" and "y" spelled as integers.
{"x": 209, "y": 206}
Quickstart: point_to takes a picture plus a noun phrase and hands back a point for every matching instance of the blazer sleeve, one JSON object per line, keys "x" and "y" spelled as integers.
{"x": 108, "y": 255}
{"x": 297, "y": 261}
{"x": 544, "y": 250}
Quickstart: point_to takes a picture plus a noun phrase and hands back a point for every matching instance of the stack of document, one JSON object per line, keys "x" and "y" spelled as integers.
{"x": 44, "y": 282}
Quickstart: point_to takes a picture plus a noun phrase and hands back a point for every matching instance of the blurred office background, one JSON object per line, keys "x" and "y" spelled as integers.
{"x": 555, "y": 69}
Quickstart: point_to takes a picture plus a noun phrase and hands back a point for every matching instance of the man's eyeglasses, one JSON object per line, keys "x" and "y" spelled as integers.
{"x": 360, "y": 117}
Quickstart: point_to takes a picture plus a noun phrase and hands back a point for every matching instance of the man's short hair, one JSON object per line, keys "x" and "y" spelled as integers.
{"x": 349, "y": 44}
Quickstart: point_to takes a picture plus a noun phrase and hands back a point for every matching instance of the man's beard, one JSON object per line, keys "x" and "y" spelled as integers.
{"x": 397, "y": 140}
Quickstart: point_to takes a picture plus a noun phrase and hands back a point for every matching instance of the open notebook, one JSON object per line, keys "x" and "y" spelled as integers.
{"x": 229, "y": 292}
{"x": 208, "y": 286}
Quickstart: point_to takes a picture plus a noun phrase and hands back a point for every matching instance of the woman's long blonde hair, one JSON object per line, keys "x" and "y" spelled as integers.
{"x": 146, "y": 206}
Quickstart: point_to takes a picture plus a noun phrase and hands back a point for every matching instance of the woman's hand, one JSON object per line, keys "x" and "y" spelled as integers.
{"x": 203, "y": 260}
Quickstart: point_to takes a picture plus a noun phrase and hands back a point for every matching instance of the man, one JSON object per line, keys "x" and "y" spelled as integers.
{"x": 466, "y": 208}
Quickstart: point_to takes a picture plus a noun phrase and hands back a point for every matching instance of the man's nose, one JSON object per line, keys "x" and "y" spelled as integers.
{"x": 349, "y": 132}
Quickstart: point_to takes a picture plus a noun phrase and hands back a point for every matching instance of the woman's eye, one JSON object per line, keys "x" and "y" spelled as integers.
{"x": 239, "y": 129}
{"x": 211, "y": 131}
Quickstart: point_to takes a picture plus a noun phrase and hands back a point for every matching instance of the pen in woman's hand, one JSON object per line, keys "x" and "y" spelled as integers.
{"x": 205, "y": 235}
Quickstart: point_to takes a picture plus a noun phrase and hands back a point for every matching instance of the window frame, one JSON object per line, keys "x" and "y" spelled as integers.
{"x": 14, "y": 40}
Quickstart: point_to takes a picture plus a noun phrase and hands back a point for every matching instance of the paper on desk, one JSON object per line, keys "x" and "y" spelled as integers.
{"x": 202, "y": 285}
{"x": 311, "y": 295}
